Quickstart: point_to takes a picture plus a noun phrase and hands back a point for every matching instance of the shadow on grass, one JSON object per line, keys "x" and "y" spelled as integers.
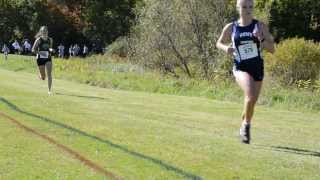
{"x": 87, "y": 97}
{"x": 19, "y": 69}
{"x": 292, "y": 150}
{"x": 158, "y": 162}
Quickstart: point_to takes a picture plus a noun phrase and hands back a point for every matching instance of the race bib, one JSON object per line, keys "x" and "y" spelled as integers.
{"x": 44, "y": 54}
{"x": 248, "y": 51}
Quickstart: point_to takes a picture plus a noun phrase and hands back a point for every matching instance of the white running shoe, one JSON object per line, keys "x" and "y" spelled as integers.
{"x": 245, "y": 133}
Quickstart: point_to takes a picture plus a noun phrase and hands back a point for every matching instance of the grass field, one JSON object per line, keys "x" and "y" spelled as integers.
{"x": 138, "y": 135}
{"x": 119, "y": 74}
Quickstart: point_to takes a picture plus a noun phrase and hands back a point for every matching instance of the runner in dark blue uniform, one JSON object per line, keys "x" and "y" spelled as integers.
{"x": 247, "y": 55}
{"x": 248, "y": 37}
{"x": 43, "y": 49}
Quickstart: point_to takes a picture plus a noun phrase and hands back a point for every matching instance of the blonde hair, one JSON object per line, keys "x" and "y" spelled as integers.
{"x": 42, "y": 29}
{"x": 239, "y": 1}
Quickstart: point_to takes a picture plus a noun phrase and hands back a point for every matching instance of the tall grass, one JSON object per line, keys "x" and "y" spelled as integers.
{"x": 116, "y": 73}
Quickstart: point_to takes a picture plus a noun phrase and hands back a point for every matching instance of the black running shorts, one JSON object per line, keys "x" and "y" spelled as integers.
{"x": 42, "y": 62}
{"x": 254, "y": 67}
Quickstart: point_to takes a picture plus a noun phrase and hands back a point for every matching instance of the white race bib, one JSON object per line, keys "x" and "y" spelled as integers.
{"x": 44, "y": 54}
{"x": 248, "y": 51}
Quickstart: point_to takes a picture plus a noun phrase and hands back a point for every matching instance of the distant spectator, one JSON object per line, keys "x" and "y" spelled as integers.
{"x": 76, "y": 50}
{"x": 71, "y": 51}
{"x": 5, "y": 51}
{"x": 26, "y": 47}
{"x": 85, "y": 51}
{"x": 16, "y": 46}
{"x": 61, "y": 51}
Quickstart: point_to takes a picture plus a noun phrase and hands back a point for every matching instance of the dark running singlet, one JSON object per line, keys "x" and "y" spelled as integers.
{"x": 247, "y": 55}
{"x": 43, "y": 55}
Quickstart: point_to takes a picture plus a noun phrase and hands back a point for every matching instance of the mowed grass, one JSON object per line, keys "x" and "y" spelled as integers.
{"x": 138, "y": 135}
{"x": 26, "y": 156}
{"x": 118, "y": 73}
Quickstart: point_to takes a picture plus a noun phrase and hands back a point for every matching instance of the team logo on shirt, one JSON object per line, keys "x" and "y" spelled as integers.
{"x": 245, "y": 34}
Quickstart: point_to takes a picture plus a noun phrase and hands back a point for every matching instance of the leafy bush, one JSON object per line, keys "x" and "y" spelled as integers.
{"x": 118, "y": 47}
{"x": 295, "y": 59}
{"x": 172, "y": 34}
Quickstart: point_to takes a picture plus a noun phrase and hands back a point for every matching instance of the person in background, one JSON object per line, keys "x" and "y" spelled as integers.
{"x": 76, "y": 50}
{"x": 71, "y": 51}
{"x": 16, "y": 47}
{"x": 61, "y": 50}
{"x": 85, "y": 51}
{"x": 26, "y": 47}
{"x": 5, "y": 51}
{"x": 43, "y": 49}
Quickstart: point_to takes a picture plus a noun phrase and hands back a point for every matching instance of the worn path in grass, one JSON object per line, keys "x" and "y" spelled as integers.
{"x": 137, "y": 135}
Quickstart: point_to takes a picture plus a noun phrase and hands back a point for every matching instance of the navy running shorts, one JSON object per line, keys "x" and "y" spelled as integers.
{"x": 254, "y": 68}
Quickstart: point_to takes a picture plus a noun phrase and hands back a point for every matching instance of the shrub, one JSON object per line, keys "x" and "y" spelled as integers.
{"x": 175, "y": 34}
{"x": 295, "y": 59}
{"x": 118, "y": 47}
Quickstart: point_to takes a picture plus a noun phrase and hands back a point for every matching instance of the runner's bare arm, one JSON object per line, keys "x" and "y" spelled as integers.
{"x": 268, "y": 41}
{"x": 51, "y": 45}
{"x": 35, "y": 46}
{"x": 224, "y": 38}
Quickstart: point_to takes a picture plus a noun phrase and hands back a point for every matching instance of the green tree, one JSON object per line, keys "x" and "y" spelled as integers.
{"x": 295, "y": 18}
{"x": 22, "y": 19}
{"x": 69, "y": 21}
{"x": 107, "y": 20}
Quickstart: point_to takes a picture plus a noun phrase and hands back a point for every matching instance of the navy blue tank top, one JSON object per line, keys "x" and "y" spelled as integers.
{"x": 246, "y": 45}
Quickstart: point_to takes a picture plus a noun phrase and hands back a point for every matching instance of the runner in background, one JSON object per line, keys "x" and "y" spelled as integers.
{"x": 43, "y": 49}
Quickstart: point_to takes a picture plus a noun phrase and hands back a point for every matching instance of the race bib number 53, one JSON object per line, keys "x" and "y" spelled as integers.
{"x": 248, "y": 51}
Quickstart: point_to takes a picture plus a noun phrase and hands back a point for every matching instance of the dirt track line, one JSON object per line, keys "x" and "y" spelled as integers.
{"x": 64, "y": 148}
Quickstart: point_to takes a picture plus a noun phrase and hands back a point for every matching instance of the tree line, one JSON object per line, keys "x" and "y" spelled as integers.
{"x": 169, "y": 35}
{"x": 69, "y": 21}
